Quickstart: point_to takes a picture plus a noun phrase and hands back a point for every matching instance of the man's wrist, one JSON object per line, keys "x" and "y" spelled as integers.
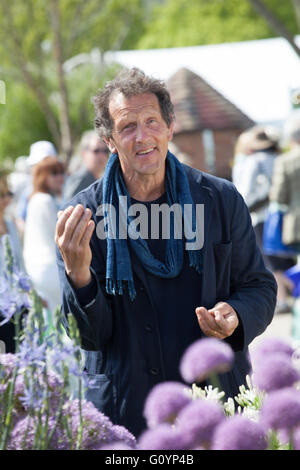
{"x": 80, "y": 280}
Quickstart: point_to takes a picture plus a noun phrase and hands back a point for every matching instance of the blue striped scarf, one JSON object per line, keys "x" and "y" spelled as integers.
{"x": 118, "y": 262}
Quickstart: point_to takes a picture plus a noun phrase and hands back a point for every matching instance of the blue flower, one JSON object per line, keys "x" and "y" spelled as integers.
{"x": 22, "y": 280}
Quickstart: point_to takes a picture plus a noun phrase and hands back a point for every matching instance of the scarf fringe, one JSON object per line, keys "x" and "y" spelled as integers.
{"x": 117, "y": 287}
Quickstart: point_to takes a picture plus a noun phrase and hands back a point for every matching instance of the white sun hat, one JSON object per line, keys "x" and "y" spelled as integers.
{"x": 40, "y": 150}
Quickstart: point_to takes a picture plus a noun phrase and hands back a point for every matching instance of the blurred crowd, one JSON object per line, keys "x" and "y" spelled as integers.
{"x": 266, "y": 170}
{"x": 30, "y": 198}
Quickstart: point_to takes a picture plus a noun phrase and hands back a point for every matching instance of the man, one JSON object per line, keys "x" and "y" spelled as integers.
{"x": 93, "y": 153}
{"x": 140, "y": 302}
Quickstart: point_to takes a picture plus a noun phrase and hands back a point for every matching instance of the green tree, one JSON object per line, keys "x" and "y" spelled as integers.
{"x": 21, "y": 122}
{"x": 38, "y": 38}
{"x": 179, "y": 23}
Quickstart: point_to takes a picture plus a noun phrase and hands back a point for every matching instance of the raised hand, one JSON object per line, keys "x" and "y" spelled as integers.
{"x": 73, "y": 233}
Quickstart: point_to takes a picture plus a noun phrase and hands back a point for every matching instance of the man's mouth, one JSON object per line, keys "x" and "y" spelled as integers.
{"x": 145, "y": 152}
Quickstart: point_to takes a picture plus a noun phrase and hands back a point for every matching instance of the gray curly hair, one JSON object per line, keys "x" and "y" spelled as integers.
{"x": 130, "y": 82}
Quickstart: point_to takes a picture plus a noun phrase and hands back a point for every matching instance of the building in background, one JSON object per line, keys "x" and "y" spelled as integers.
{"x": 207, "y": 124}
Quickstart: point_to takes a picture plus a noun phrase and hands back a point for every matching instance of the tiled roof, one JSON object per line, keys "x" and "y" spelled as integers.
{"x": 199, "y": 106}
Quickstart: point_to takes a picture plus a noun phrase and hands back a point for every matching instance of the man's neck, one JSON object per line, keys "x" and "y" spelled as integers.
{"x": 145, "y": 188}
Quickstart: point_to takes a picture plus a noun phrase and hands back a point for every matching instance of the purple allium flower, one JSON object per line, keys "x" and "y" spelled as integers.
{"x": 97, "y": 428}
{"x": 272, "y": 345}
{"x": 164, "y": 402}
{"x": 115, "y": 446}
{"x": 163, "y": 437}
{"x": 204, "y": 357}
{"x": 239, "y": 433}
{"x": 281, "y": 409}
{"x": 8, "y": 361}
{"x": 275, "y": 371}
{"x": 198, "y": 420}
{"x": 121, "y": 434}
{"x": 23, "y": 434}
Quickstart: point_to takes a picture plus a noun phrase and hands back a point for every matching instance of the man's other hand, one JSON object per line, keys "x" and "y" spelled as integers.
{"x": 218, "y": 322}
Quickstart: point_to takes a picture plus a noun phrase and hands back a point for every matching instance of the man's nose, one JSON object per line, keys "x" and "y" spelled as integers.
{"x": 141, "y": 133}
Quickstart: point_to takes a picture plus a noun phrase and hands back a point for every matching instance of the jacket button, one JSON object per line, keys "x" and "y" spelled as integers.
{"x": 148, "y": 328}
{"x": 154, "y": 371}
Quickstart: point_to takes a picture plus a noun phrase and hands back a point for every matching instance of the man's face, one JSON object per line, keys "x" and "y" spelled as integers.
{"x": 95, "y": 155}
{"x": 140, "y": 135}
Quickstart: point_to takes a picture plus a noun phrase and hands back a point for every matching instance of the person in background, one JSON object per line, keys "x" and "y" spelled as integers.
{"x": 38, "y": 151}
{"x": 39, "y": 244}
{"x": 285, "y": 188}
{"x": 94, "y": 155}
{"x": 256, "y": 152}
{"x": 8, "y": 227}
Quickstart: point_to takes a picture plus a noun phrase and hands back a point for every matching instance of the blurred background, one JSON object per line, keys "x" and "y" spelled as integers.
{"x": 228, "y": 63}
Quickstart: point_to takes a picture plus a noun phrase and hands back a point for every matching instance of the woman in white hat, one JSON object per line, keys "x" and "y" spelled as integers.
{"x": 39, "y": 244}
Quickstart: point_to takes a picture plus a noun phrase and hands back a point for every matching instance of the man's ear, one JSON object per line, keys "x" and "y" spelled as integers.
{"x": 171, "y": 131}
{"x": 110, "y": 144}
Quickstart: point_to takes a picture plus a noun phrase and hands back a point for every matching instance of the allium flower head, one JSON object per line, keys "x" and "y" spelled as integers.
{"x": 7, "y": 363}
{"x": 121, "y": 435}
{"x": 115, "y": 446}
{"x": 281, "y": 409}
{"x": 272, "y": 345}
{"x": 164, "y": 402}
{"x": 204, "y": 357}
{"x": 23, "y": 434}
{"x": 163, "y": 437}
{"x": 97, "y": 428}
{"x": 239, "y": 433}
{"x": 275, "y": 371}
{"x": 198, "y": 420}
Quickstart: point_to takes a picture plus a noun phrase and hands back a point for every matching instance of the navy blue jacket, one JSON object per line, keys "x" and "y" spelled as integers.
{"x": 127, "y": 348}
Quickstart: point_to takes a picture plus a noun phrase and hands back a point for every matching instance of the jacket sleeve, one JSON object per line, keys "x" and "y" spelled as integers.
{"x": 253, "y": 288}
{"x": 94, "y": 320}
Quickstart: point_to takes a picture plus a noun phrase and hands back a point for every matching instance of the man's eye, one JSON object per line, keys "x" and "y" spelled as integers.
{"x": 128, "y": 126}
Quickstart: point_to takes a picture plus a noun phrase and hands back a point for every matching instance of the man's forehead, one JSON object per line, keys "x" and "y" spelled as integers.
{"x": 121, "y": 105}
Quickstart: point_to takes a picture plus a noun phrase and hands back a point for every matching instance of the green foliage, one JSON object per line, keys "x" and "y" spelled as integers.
{"x": 179, "y": 23}
{"x": 83, "y": 83}
{"x": 21, "y": 122}
{"x": 27, "y": 53}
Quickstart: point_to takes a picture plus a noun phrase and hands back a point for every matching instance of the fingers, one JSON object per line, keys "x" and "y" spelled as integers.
{"x": 208, "y": 323}
{"x": 62, "y": 219}
{"x": 72, "y": 224}
{"x": 86, "y": 238}
{"x": 219, "y": 322}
